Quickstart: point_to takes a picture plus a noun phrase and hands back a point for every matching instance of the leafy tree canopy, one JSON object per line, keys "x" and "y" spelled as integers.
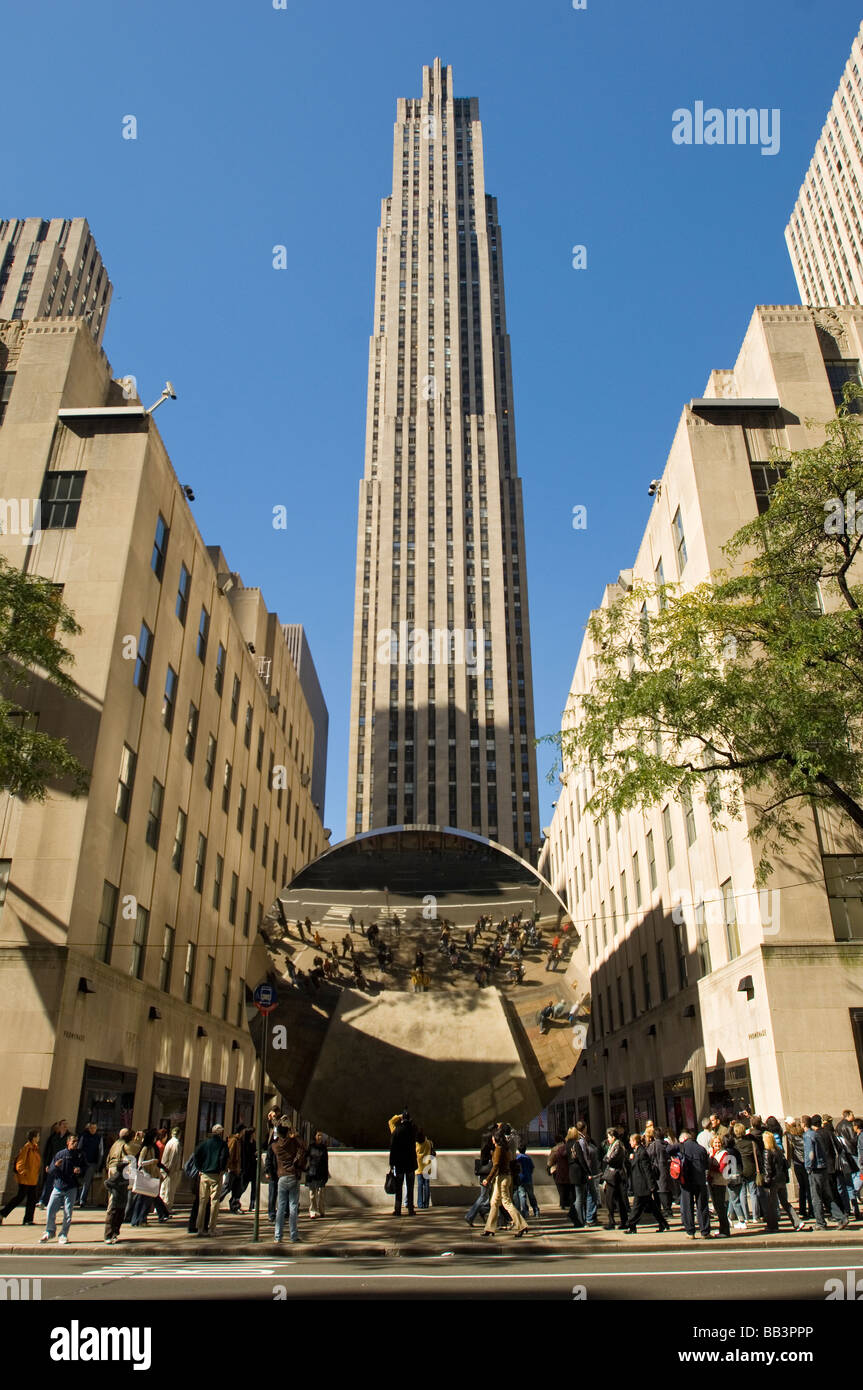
{"x": 32, "y": 622}
{"x": 749, "y": 686}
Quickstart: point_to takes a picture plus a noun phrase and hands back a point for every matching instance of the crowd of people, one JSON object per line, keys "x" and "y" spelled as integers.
{"x": 498, "y": 957}
{"x": 735, "y": 1171}
{"x": 142, "y": 1171}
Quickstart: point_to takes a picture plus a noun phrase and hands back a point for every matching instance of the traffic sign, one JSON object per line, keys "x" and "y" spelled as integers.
{"x": 265, "y": 998}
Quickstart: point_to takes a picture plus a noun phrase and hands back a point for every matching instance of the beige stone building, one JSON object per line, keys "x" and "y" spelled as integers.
{"x": 705, "y": 991}
{"x": 52, "y": 270}
{"x": 127, "y": 914}
{"x": 442, "y": 725}
{"x": 825, "y": 232}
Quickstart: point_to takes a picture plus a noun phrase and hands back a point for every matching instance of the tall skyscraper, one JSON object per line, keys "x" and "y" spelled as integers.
{"x": 52, "y": 270}
{"x": 825, "y": 232}
{"x": 442, "y": 728}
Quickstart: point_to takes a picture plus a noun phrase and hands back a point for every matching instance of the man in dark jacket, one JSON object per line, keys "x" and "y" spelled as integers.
{"x": 694, "y": 1192}
{"x": 66, "y": 1172}
{"x": 93, "y": 1149}
{"x": 403, "y": 1161}
{"x": 211, "y": 1160}
{"x": 820, "y": 1166}
{"x": 53, "y": 1144}
{"x": 287, "y": 1160}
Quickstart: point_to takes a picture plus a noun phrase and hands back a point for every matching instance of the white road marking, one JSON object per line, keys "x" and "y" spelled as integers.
{"x": 485, "y": 1275}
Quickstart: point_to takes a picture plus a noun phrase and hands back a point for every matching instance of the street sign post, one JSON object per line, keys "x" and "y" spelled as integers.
{"x": 265, "y": 999}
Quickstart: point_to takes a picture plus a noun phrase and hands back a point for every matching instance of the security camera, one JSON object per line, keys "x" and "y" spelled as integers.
{"x": 655, "y": 488}
{"x": 169, "y": 387}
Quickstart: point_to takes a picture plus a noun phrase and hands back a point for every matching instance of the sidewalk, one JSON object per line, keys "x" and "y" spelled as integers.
{"x": 349, "y": 1234}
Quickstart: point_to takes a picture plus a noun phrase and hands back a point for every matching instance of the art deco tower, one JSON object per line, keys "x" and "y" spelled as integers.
{"x": 442, "y": 724}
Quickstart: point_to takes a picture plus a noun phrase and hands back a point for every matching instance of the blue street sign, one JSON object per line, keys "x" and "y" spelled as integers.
{"x": 265, "y": 998}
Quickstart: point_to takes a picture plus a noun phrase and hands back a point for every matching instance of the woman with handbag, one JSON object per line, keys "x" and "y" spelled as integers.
{"x": 147, "y": 1182}
{"x": 613, "y": 1180}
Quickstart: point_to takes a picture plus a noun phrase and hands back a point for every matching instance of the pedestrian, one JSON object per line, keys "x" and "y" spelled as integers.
{"x": 425, "y": 1154}
{"x": 842, "y": 1169}
{"x": 67, "y": 1169}
{"x": 716, "y": 1182}
{"x": 250, "y": 1166}
{"x": 579, "y": 1175}
{"x": 557, "y": 1166}
{"x": 857, "y": 1126}
{"x": 794, "y": 1152}
{"x": 211, "y": 1160}
{"x": 659, "y": 1149}
{"x": 644, "y": 1181}
{"x": 846, "y": 1140}
{"x": 499, "y": 1182}
{"x": 117, "y": 1165}
{"x": 775, "y": 1177}
{"x": 171, "y": 1162}
{"x": 482, "y": 1168}
{"x": 591, "y": 1196}
{"x": 745, "y": 1144}
{"x": 524, "y": 1194}
{"x": 55, "y": 1142}
{"x": 705, "y": 1135}
{"x": 403, "y": 1159}
{"x": 613, "y": 1180}
{"x": 300, "y": 931}
{"x": 692, "y": 1163}
{"x": 272, "y": 1183}
{"x": 731, "y": 1168}
{"x": 28, "y": 1173}
{"x": 148, "y": 1163}
{"x": 234, "y": 1173}
{"x": 288, "y": 1161}
{"x": 93, "y": 1149}
{"x": 318, "y": 1174}
{"x": 347, "y": 944}
{"x": 820, "y": 1165}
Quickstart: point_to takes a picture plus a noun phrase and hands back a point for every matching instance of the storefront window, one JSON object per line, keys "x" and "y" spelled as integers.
{"x": 679, "y": 1098}
{"x": 211, "y": 1108}
{"x": 108, "y": 1098}
{"x": 643, "y": 1105}
{"x": 617, "y": 1110}
{"x": 170, "y": 1102}
{"x": 244, "y": 1108}
{"x": 729, "y": 1090}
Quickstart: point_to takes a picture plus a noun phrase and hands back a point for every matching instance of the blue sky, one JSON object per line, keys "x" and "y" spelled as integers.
{"x": 259, "y": 127}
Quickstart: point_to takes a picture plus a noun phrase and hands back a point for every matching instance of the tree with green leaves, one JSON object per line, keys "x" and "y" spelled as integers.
{"x": 32, "y": 619}
{"x": 749, "y": 686}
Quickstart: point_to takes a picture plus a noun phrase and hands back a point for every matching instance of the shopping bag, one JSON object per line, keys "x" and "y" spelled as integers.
{"x": 145, "y": 1185}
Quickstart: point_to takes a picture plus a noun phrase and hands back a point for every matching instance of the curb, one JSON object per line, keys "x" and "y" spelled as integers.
{"x": 348, "y": 1250}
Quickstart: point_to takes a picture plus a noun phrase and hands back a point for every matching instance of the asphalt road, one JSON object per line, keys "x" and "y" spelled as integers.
{"x": 691, "y": 1274}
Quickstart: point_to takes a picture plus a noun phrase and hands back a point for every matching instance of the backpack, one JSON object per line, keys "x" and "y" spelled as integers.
{"x": 675, "y": 1167}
